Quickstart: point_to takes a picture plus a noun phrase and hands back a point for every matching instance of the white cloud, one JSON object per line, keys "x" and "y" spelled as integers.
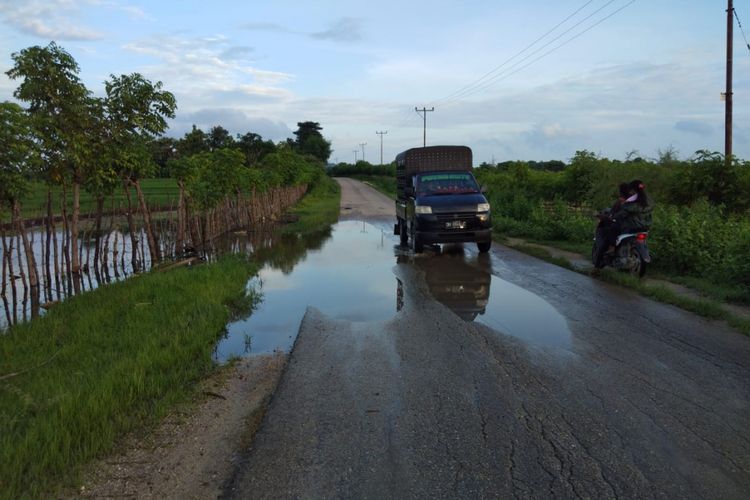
{"x": 50, "y": 19}
{"x": 234, "y": 120}
{"x": 209, "y": 71}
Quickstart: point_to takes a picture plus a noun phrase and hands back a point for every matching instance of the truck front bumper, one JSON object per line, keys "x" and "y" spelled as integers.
{"x": 435, "y": 228}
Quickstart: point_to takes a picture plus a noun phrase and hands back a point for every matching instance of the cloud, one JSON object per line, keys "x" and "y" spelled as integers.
{"x": 236, "y": 53}
{"x": 345, "y": 29}
{"x": 209, "y": 70}
{"x": 694, "y": 127}
{"x": 50, "y": 19}
{"x": 234, "y": 120}
{"x": 266, "y": 27}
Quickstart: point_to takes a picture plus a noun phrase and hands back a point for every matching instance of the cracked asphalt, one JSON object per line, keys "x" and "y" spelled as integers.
{"x": 644, "y": 401}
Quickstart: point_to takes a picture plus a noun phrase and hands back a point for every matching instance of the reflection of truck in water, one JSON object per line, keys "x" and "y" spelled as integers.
{"x": 461, "y": 287}
{"x": 438, "y": 200}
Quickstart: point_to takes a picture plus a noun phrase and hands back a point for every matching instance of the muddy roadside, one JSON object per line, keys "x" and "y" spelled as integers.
{"x": 194, "y": 450}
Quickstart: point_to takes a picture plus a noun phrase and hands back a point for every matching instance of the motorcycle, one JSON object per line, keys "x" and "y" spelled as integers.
{"x": 630, "y": 253}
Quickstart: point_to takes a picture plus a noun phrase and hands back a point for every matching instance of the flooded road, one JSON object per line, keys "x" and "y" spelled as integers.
{"x": 450, "y": 374}
{"x": 354, "y": 277}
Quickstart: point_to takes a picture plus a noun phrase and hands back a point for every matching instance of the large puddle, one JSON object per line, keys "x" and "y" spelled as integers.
{"x": 351, "y": 276}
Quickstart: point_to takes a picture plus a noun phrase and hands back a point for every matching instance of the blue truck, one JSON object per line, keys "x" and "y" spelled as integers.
{"x": 438, "y": 200}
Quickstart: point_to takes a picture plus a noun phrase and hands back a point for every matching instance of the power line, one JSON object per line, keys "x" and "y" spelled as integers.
{"x": 478, "y": 80}
{"x": 741, "y": 29}
{"x": 362, "y": 145}
{"x": 515, "y": 68}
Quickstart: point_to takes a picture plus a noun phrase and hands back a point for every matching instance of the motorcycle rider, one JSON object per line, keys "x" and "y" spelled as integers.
{"x": 605, "y": 221}
{"x": 632, "y": 216}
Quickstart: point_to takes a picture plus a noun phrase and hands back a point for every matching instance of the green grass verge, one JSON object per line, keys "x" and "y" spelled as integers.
{"x": 318, "y": 209}
{"x": 384, "y": 184}
{"x": 737, "y": 294}
{"x": 104, "y": 363}
{"x": 158, "y": 192}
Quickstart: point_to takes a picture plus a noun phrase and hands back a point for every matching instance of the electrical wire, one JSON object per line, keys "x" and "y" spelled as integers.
{"x": 741, "y": 28}
{"x": 494, "y": 70}
{"x": 511, "y": 69}
{"x": 507, "y": 75}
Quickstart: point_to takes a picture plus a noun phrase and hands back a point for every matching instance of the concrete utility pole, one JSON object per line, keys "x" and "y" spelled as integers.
{"x": 381, "y": 134}
{"x": 424, "y": 112}
{"x": 362, "y": 145}
{"x": 355, "y": 155}
{"x": 728, "y": 95}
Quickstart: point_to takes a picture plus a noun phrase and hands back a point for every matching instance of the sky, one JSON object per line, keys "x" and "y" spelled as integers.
{"x": 514, "y": 80}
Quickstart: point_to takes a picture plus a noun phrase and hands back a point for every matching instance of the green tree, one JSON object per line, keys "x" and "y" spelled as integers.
{"x": 18, "y": 162}
{"x": 310, "y": 141}
{"x": 219, "y": 137}
{"x": 192, "y": 142}
{"x": 254, "y": 147}
{"x": 137, "y": 111}
{"x": 58, "y": 106}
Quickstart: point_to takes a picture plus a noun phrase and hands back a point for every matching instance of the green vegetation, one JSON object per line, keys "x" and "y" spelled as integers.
{"x": 701, "y": 229}
{"x": 117, "y": 359}
{"x": 104, "y": 363}
{"x": 158, "y": 193}
{"x": 318, "y": 209}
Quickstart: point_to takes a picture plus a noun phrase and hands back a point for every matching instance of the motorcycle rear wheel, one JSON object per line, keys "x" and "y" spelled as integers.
{"x": 637, "y": 266}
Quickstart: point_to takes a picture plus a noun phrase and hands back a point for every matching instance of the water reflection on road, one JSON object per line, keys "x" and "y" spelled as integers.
{"x": 350, "y": 276}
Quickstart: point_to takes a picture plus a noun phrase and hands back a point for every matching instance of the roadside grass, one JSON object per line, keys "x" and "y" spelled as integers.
{"x": 384, "y": 184}
{"x": 722, "y": 292}
{"x": 707, "y": 308}
{"x": 158, "y": 192}
{"x": 104, "y": 363}
{"x": 318, "y": 209}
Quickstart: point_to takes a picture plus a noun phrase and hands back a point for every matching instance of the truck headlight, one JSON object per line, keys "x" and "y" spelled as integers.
{"x": 423, "y": 209}
{"x": 483, "y": 207}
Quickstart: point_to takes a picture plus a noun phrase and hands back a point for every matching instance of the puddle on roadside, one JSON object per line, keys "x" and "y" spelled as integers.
{"x": 466, "y": 286}
{"x": 349, "y": 278}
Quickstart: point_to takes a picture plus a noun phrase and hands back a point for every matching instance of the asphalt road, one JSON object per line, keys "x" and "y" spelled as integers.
{"x": 618, "y": 397}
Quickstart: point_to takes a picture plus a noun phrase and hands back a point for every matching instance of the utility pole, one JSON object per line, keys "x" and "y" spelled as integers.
{"x": 362, "y": 145}
{"x": 424, "y": 112}
{"x": 381, "y": 134}
{"x": 728, "y": 95}
{"x": 355, "y": 156}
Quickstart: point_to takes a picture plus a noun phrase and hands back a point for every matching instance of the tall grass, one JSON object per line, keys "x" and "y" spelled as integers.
{"x": 104, "y": 363}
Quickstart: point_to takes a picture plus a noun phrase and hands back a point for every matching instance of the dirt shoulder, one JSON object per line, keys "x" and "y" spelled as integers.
{"x": 194, "y": 450}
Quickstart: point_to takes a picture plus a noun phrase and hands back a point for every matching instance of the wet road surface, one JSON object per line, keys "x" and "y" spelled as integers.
{"x": 505, "y": 377}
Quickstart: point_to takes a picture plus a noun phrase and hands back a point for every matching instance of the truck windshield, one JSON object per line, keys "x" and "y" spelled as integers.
{"x": 446, "y": 183}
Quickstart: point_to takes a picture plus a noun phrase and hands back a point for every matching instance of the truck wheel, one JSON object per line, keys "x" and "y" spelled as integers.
{"x": 484, "y": 246}
{"x": 416, "y": 245}
{"x": 402, "y": 232}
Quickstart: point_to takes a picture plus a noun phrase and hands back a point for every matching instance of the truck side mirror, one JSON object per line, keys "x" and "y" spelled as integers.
{"x": 483, "y": 189}
{"x": 409, "y": 191}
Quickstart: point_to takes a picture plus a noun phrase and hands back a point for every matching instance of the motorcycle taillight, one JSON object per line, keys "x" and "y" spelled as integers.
{"x": 642, "y": 237}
